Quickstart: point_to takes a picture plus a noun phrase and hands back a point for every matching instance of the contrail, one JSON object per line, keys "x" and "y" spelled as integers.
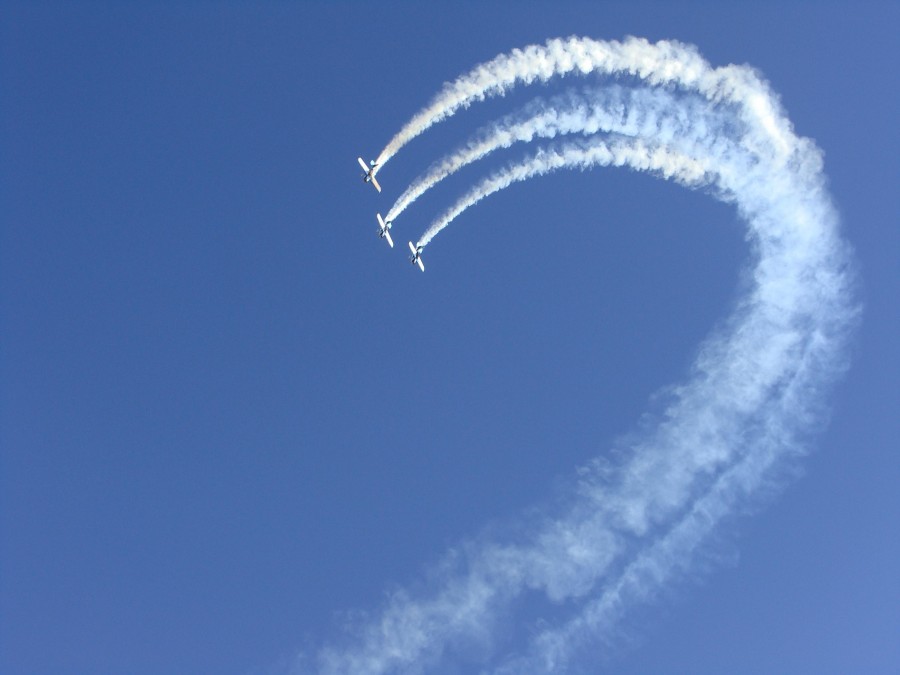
{"x": 670, "y": 554}
{"x": 629, "y": 527}
{"x": 634, "y": 153}
{"x": 662, "y": 63}
{"x": 614, "y": 109}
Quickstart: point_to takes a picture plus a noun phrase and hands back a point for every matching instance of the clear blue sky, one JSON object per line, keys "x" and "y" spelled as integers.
{"x": 229, "y": 413}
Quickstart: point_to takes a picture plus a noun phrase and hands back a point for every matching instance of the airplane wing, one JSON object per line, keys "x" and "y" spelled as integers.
{"x": 364, "y": 166}
{"x": 421, "y": 264}
{"x": 381, "y": 221}
{"x": 375, "y": 183}
{"x": 412, "y": 248}
{"x": 387, "y": 235}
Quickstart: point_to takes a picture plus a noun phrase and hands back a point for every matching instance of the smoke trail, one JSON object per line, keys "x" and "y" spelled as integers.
{"x": 612, "y": 109}
{"x": 665, "y": 62}
{"x": 671, "y": 554}
{"x": 634, "y": 153}
{"x": 757, "y": 390}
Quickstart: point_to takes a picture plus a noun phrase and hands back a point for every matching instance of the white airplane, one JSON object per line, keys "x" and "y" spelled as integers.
{"x": 369, "y": 176}
{"x": 416, "y": 258}
{"x": 383, "y": 230}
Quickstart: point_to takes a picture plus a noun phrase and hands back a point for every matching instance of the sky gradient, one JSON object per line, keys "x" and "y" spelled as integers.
{"x": 231, "y": 416}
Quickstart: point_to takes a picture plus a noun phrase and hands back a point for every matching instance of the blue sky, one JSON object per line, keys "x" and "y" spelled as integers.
{"x": 231, "y": 417}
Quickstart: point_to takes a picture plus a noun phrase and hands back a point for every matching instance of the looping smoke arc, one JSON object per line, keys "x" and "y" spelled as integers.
{"x": 611, "y": 109}
{"x": 756, "y": 391}
{"x": 666, "y": 62}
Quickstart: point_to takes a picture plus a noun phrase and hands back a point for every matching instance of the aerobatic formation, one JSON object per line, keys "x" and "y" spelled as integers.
{"x": 633, "y": 525}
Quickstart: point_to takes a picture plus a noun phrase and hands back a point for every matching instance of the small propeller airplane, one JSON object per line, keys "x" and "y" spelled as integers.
{"x": 369, "y": 170}
{"x": 383, "y": 228}
{"x": 416, "y": 258}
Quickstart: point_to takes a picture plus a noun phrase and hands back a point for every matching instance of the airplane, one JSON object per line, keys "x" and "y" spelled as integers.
{"x": 370, "y": 173}
{"x": 383, "y": 230}
{"x": 416, "y": 258}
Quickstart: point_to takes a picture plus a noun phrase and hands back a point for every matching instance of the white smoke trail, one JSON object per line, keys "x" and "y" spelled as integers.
{"x": 756, "y": 392}
{"x": 613, "y": 109}
{"x": 756, "y": 389}
{"x": 671, "y": 553}
{"x": 635, "y": 153}
{"x": 661, "y": 63}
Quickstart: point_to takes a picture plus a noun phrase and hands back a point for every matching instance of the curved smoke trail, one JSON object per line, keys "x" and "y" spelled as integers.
{"x": 636, "y": 154}
{"x": 661, "y": 63}
{"x": 614, "y": 109}
{"x": 756, "y": 391}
